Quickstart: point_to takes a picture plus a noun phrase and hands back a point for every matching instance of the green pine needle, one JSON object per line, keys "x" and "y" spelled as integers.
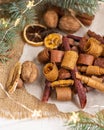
{"x": 16, "y": 10}
{"x": 8, "y": 31}
{"x": 83, "y": 6}
{"x": 87, "y": 122}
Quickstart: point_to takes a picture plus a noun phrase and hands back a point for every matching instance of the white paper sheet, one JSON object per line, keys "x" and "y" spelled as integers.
{"x": 95, "y": 99}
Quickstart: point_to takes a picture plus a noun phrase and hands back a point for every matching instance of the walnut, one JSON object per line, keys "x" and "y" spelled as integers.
{"x": 20, "y": 83}
{"x": 29, "y": 72}
{"x": 51, "y": 18}
{"x": 85, "y": 18}
{"x": 69, "y": 23}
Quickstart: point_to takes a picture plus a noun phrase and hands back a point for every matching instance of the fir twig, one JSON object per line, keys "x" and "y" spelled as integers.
{"x": 20, "y": 13}
{"x": 82, "y": 6}
{"x": 84, "y": 122}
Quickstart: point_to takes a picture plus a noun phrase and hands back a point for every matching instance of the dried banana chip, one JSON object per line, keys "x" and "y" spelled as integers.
{"x": 13, "y": 78}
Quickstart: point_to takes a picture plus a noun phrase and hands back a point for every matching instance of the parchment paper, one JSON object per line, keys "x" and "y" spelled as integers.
{"x": 95, "y": 100}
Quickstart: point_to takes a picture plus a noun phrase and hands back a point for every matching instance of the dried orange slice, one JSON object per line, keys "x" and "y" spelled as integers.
{"x": 13, "y": 78}
{"x": 53, "y": 40}
{"x": 32, "y": 34}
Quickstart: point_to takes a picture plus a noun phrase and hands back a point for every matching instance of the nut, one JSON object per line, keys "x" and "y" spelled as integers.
{"x": 29, "y": 72}
{"x": 69, "y": 23}
{"x": 51, "y": 19}
{"x": 85, "y": 18}
{"x": 13, "y": 78}
{"x": 86, "y": 22}
{"x": 20, "y": 83}
{"x": 43, "y": 56}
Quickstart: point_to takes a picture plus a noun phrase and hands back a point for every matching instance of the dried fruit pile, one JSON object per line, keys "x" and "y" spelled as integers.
{"x": 72, "y": 65}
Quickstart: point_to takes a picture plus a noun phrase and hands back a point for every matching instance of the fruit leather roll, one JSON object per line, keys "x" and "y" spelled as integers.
{"x": 93, "y": 47}
{"x": 85, "y": 59}
{"x": 50, "y": 71}
{"x": 69, "y": 60}
{"x": 63, "y": 94}
{"x": 56, "y": 56}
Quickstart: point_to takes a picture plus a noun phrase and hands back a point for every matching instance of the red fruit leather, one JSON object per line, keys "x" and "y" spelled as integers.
{"x": 47, "y": 92}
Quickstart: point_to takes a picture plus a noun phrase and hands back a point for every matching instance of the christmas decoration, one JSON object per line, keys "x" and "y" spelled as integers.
{"x": 83, "y": 121}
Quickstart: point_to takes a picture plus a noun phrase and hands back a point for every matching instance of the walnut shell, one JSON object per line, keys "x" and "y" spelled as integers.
{"x": 69, "y": 24}
{"x": 85, "y": 18}
{"x": 29, "y": 72}
{"x": 13, "y": 78}
{"x": 20, "y": 83}
{"x": 51, "y": 19}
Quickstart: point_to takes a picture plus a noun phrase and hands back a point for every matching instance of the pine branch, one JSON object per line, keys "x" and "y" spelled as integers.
{"x": 17, "y": 10}
{"x": 21, "y": 13}
{"x": 84, "y": 122}
{"x": 88, "y": 6}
